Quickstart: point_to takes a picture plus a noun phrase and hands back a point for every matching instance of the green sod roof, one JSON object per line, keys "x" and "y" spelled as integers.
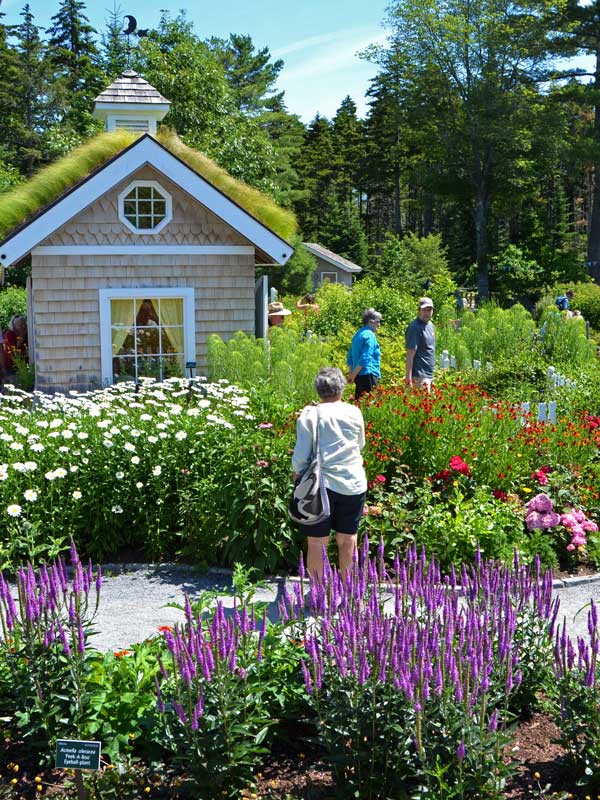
{"x": 47, "y": 185}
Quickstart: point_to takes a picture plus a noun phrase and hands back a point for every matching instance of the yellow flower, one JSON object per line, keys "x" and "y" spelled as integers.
{"x": 39, "y": 787}
{"x": 14, "y": 781}
{"x": 537, "y": 776}
{"x": 15, "y": 768}
{"x": 147, "y": 789}
{"x": 526, "y": 489}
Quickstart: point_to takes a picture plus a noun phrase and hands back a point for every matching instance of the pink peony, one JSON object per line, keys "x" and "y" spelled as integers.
{"x": 570, "y": 547}
{"x": 579, "y": 515}
{"x": 541, "y": 502}
{"x": 589, "y": 526}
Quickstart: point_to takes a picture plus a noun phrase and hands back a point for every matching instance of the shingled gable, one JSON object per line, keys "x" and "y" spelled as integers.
{"x": 146, "y": 150}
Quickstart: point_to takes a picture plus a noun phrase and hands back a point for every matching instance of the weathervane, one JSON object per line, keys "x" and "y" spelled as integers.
{"x": 130, "y": 27}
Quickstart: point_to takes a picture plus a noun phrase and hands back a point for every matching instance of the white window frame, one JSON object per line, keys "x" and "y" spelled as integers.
{"x": 328, "y": 276}
{"x": 168, "y": 207}
{"x": 133, "y": 293}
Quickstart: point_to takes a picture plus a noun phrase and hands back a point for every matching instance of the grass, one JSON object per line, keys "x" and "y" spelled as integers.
{"x": 50, "y": 182}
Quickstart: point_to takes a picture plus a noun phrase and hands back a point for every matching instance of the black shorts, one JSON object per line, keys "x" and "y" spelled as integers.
{"x": 364, "y": 384}
{"x": 346, "y": 513}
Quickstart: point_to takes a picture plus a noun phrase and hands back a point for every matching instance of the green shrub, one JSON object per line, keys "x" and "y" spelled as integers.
{"x": 514, "y": 274}
{"x": 13, "y": 300}
{"x": 587, "y": 300}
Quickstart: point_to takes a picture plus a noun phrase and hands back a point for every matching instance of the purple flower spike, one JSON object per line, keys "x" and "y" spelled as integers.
{"x": 461, "y": 750}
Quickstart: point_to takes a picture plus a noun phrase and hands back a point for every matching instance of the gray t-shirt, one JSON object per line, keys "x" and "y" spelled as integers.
{"x": 420, "y": 336}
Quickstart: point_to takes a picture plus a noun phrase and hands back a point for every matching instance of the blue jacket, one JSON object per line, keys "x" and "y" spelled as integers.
{"x": 365, "y": 351}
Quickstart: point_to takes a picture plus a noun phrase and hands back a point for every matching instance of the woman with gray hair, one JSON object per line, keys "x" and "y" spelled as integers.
{"x": 364, "y": 355}
{"x": 341, "y": 438}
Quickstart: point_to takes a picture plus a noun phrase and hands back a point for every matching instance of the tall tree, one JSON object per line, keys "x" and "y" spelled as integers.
{"x": 32, "y": 90}
{"x": 115, "y": 47}
{"x": 9, "y": 107}
{"x": 250, "y": 73}
{"x": 486, "y": 56}
{"x": 74, "y": 57}
{"x": 349, "y": 151}
{"x": 315, "y": 167}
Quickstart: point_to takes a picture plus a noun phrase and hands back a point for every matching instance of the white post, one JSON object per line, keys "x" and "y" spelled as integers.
{"x": 488, "y": 365}
{"x": 476, "y": 365}
{"x": 541, "y": 412}
{"x": 444, "y": 360}
{"x": 552, "y": 412}
{"x": 453, "y": 362}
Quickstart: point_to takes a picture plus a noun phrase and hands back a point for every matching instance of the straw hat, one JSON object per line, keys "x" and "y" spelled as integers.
{"x": 277, "y": 310}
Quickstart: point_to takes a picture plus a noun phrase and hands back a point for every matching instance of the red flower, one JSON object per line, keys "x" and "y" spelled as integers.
{"x": 458, "y": 465}
{"x": 540, "y": 476}
{"x": 499, "y": 494}
{"x": 380, "y": 478}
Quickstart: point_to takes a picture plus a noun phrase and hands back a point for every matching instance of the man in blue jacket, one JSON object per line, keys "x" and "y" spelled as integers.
{"x": 364, "y": 355}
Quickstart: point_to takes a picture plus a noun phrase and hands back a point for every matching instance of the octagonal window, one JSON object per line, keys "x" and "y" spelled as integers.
{"x": 145, "y": 207}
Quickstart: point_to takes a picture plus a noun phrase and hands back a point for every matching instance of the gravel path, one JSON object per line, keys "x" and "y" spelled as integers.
{"x": 135, "y": 600}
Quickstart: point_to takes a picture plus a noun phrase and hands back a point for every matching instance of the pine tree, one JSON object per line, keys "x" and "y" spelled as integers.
{"x": 33, "y": 89}
{"x": 74, "y": 58}
{"x": 341, "y": 231}
{"x": 115, "y": 55}
{"x": 250, "y": 73}
{"x": 10, "y": 127}
{"x": 349, "y": 150}
{"x": 315, "y": 167}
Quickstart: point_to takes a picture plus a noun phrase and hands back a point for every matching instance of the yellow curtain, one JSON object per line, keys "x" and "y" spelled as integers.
{"x": 171, "y": 313}
{"x": 122, "y": 314}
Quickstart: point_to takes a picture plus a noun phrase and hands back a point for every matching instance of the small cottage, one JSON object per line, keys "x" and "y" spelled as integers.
{"x": 140, "y": 249}
{"x": 331, "y": 268}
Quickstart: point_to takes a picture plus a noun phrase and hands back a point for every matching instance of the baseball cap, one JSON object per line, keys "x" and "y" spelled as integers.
{"x": 425, "y": 302}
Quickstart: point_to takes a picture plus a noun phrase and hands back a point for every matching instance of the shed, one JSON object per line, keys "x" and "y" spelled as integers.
{"x": 135, "y": 262}
{"x": 331, "y": 267}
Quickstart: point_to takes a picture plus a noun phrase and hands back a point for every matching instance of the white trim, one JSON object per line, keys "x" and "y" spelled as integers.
{"x": 334, "y": 261}
{"x": 145, "y": 151}
{"x": 162, "y": 192}
{"x": 189, "y": 320}
{"x": 327, "y": 274}
{"x": 142, "y": 250}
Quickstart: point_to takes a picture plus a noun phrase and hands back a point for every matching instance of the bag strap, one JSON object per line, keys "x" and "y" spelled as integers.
{"x": 316, "y": 438}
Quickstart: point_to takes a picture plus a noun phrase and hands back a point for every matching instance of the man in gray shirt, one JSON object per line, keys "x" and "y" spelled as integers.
{"x": 420, "y": 347}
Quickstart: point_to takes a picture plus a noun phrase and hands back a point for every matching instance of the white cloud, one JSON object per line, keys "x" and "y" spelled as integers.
{"x": 314, "y": 41}
{"x": 330, "y": 60}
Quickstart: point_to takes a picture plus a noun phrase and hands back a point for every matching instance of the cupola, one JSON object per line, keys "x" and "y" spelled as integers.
{"x": 131, "y": 103}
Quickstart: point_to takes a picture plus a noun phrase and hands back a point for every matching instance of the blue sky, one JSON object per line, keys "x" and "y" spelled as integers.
{"x": 317, "y": 39}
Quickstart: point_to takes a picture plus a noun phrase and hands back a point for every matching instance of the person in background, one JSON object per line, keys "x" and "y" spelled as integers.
{"x": 14, "y": 341}
{"x": 277, "y": 314}
{"x": 364, "y": 355}
{"x": 420, "y": 347}
{"x": 341, "y": 438}
{"x": 307, "y": 303}
{"x": 563, "y": 301}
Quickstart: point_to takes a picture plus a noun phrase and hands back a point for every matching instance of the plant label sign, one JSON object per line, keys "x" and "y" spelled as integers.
{"x": 76, "y": 754}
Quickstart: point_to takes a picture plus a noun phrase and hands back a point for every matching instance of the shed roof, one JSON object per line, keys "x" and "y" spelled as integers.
{"x": 25, "y": 202}
{"x": 333, "y": 258}
{"x": 131, "y": 88}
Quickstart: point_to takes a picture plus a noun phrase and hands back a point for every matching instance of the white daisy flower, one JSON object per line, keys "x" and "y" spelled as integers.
{"x": 16, "y": 446}
{"x": 135, "y": 460}
{"x": 30, "y": 495}
{"x": 76, "y": 495}
{"x": 119, "y": 475}
{"x": 60, "y": 472}
{"x": 139, "y": 485}
{"x": 37, "y": 447}
{"x": 153, "y": 439}
{"x": 30, "y": 466}
{"x": 129, "y": 447}
{"x": 67, "y": 434}
{"x": 14, "y": 510}
{"x": 107, "y": 443}
{"x": 157, "y": 470}
{"x": 18, "y": 466}
{"x": 181, "y": 435}
{"x": 73, "y": 468}
{"x": 117, "y": 510}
